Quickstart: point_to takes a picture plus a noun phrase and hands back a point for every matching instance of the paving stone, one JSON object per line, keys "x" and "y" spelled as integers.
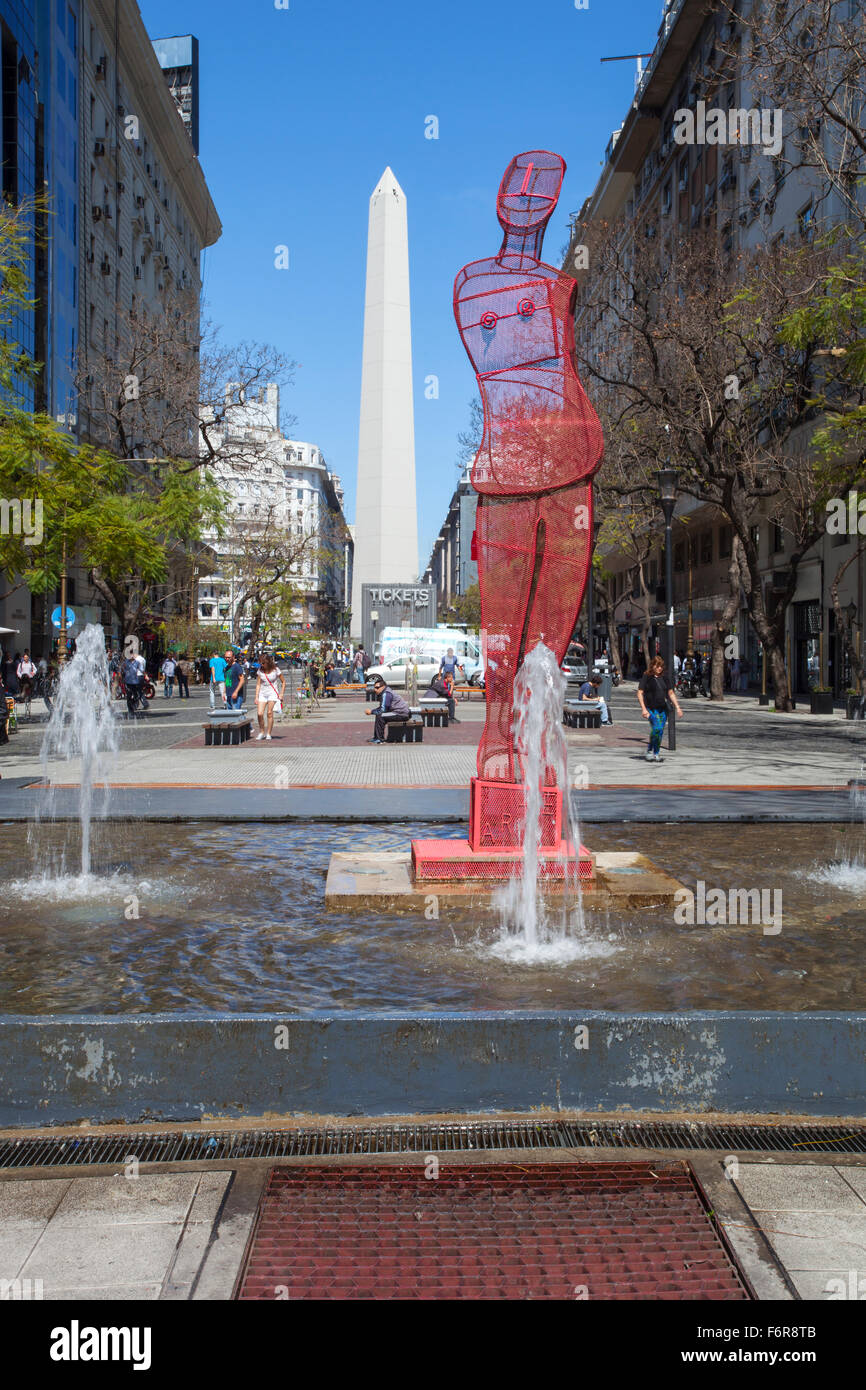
{"x": 31, "y": 1202}
{"x": 796, "y": 1187}
{"x": 89, "y": 1293}
{"x": 118, "y": 1200}
{"x": 812, "y": 1284}
{"x": 66, "y": 1257}
{"x": 855, "y": 1177}
{"x": 806, "y": 1240}
{"x": 15, "y": 1247}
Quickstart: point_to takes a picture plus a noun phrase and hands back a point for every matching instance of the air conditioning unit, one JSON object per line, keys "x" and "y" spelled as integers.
{"x": 136, "y": 273}
{"x": 99, "y": 148}
{"x": 96, "y": 212}
{"x": 139, "y": 200}
{"x": 102, "y": 69}
{"x": 105, "y": 267}
{"x": 106, "y": 211}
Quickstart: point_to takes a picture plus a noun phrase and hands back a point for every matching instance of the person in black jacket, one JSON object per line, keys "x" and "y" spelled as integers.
{"x": 390, "y": 703}
{"x": 654, "y": 691}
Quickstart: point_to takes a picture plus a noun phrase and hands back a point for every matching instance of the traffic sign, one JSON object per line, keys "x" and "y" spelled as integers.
{"x": 55, "y": 617}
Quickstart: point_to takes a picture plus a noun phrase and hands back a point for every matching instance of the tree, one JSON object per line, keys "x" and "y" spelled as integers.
{"x": 165, "y": 386}
{"x": 268, "y": 566}
{"x": 693, "y": 369}
{"x": 812, "y": 55}
{"x": 468, "y": 607}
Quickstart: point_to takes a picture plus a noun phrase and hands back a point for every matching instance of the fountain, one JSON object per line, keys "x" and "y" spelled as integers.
{"x": 81, "y": 725}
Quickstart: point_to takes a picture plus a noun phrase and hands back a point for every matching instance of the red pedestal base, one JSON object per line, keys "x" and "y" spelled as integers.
{"x": 497, "y": 812}
{"x": 445, "y": 861}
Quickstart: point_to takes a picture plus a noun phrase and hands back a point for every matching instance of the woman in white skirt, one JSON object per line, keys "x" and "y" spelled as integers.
{"x": 270, "y": 689}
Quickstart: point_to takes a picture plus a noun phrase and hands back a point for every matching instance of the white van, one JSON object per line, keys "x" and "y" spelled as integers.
{"x": 400, "y": 647}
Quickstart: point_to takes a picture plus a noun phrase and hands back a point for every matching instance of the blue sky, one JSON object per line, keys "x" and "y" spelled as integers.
{"x": 302, "y": 109}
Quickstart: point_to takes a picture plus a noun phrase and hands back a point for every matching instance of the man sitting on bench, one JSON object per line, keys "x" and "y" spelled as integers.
{"x": 390, "y": 703}
{"x": 589, "y": 691}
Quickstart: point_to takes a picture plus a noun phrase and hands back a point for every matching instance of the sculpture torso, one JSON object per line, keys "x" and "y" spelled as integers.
{"x": 515, "y": 319}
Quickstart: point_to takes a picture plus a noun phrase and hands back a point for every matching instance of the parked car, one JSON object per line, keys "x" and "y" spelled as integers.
{"x": 575, "y": 666}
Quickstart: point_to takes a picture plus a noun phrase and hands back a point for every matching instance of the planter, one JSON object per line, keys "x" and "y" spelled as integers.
{"x": 821, "y": 702}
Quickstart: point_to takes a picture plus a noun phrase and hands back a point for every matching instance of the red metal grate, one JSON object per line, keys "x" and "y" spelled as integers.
{"x": 497, "y": 815}
{"x": 589, "y": 1230}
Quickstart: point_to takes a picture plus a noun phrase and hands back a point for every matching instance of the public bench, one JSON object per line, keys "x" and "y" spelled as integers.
{"x": 219, "y": 733}
{"x": 404, "y": 729}
{"x": 434, "y": 712}
{"x": 581, "y": 714}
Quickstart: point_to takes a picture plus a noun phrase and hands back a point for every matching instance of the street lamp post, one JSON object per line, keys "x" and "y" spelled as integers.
{"x": 590, "y": 602}
{"x": 668, "y": 498}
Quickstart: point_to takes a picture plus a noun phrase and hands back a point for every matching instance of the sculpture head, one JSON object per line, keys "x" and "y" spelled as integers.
{"x": 529, "y": 192}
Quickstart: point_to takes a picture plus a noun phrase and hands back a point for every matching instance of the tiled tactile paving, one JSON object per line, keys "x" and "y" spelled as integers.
{"x": 551, "y": 1231}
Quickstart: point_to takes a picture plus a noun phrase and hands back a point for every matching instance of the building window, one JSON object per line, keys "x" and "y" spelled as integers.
{"x": 706, "y": 547}
{"x": 726, "y": 540}
{"x": 755, "y": 532}
{"x": 806, "y": 221}
{"x": 680, "y": 557}
{"x": 778, "y": 538}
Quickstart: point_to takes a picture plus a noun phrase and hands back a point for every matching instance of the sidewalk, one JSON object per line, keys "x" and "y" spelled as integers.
{"x": 180, "y": 1231}
{"x": 736, "y": 744}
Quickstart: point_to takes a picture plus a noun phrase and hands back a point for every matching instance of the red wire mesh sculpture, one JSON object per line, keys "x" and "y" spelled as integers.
{"x": 542, "y": 443}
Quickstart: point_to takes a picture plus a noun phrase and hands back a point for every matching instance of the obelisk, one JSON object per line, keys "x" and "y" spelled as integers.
{"x": 386, "y": 524}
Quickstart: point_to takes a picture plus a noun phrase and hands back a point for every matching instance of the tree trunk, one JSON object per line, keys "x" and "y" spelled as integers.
{"x": 722, "y": 627}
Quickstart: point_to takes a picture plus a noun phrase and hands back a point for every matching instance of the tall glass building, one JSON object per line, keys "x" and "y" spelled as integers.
{"x": 57, "y": 39}
{"x": 19, "y": 135}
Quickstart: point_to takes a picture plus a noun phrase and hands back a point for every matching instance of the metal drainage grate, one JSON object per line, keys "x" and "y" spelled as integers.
{"x": 551, "y": 1231}
{"x": 221, "y": 1145}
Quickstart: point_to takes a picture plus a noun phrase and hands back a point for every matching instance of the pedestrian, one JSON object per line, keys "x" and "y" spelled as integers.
{"x": 270, "y": 689}
{"x": 132, "y": 676}
{"x": 589, "y": 691}
{"x": 183, "y": 670}
{"x": 654, "y": 692}
{"x": 330, "y": 681}
{"x": 26, "y": 673}
{"x": 217, "y": 687}
{"x": 448, "y": 668}
{"x": 235, "y": 681}
{"x": 169, "y": 667}
{"x": 389, "y": 703}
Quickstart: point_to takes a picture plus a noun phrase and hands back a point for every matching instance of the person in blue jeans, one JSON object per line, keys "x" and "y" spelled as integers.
{"x": 217, "y": 666}
{"x": 654, "y": 691}
{"x": 235, "y": 681}
{"x": 590, "y": 691}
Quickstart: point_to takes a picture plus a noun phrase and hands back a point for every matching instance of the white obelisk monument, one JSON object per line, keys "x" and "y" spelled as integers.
{"x": 386, "y": 524}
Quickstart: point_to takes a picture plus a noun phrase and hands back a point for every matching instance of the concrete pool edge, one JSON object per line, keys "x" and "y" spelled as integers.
{"x": 357, "y": 804}
{"x": 94, "y": 1069}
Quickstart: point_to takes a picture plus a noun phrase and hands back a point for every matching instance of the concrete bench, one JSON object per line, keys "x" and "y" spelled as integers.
{"x": 226, "y": 732}
{"x": 403, "y": 730}
{"x": 581, "y": 714}
{"x": 434, "y": 713}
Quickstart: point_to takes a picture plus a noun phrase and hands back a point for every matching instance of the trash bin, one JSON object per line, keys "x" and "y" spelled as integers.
{"x": 606, "y": 685}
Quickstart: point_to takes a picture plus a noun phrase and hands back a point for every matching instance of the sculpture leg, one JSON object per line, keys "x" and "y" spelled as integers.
{"x": 533, "y": 562}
